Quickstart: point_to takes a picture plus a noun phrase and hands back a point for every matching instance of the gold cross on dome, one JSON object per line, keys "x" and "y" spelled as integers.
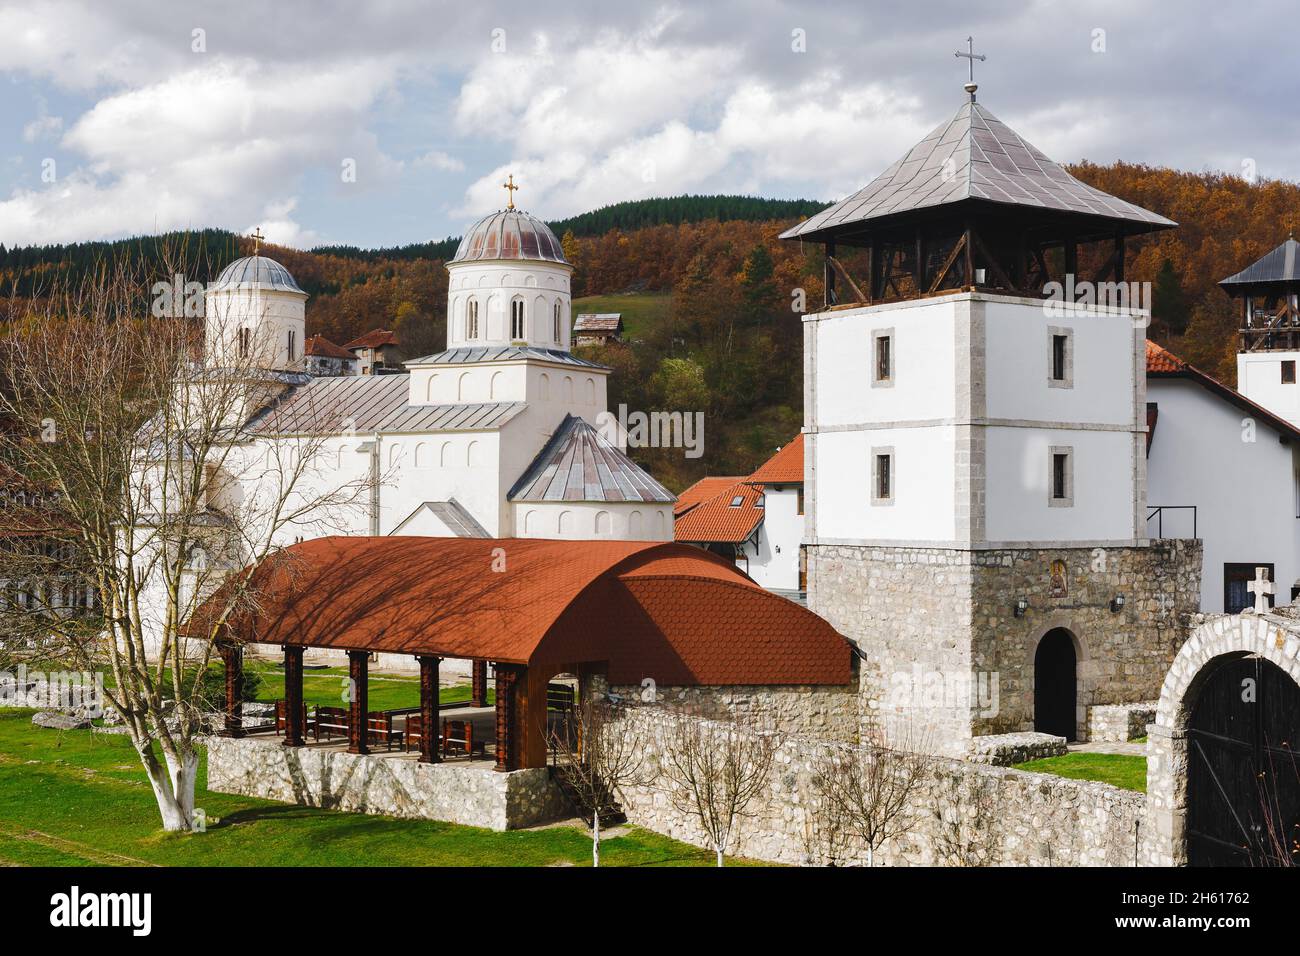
{"x": 509, "y": 184}
{"x": 257, "y": 238}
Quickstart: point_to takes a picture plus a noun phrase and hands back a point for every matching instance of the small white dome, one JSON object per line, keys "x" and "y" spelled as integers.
{"x": 510, "y": 234}
{"x": 256, "y": 272}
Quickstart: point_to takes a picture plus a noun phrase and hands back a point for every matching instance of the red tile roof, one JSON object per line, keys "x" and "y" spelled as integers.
{"x": 322, "y": 347}
{"x": 715, "y": 518}
{"x": 662, "y": 610}
{"x": 703, "y": 490}
{"x": 1162, "y": 360}
{"x": 783, "y": 468}
{"x": 373, "y": 339}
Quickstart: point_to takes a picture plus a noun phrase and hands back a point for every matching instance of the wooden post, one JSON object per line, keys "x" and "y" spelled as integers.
{"x": 968, "y": 261}
{"x": 430, "y": 752}
{"x": 293, "y": 728}
{"x": 1119, "y": 258}
{"x": 508, "y": 676}
{"x": 478, "y": 684}
{"x": 828, "y": 277}
{"x": 232, "y": 656}
{"x": 1071, "y": 258}
{"x": 358, "y": 679}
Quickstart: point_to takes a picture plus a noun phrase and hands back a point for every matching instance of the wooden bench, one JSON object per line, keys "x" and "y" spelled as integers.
{"x": 332, "y": 721}
{"x": 282, "y": 718}
{"x": 458, "y": 738}
{"x": 379, "y": 729}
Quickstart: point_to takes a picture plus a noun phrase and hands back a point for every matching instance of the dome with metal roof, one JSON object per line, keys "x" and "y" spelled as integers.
{"x": 256, "y": 272}
{"x": 510, "y": 234}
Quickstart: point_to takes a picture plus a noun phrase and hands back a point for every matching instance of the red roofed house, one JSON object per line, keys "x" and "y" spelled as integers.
{"x": 1222, "y": 468}
{"x": 757, "y": 521}
{"x": 377, "y": 352}
{"x": 324, "y": 358}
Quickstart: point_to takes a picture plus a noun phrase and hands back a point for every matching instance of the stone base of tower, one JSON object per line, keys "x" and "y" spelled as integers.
{"x": 946, "y": 658}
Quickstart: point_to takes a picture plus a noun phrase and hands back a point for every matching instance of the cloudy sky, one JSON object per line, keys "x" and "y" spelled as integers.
{"x": 381, "y": 122}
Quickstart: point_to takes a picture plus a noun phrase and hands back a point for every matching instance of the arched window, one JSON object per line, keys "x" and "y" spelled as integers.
{"x": 495, "y": 385}
{"x": 462, "y": 387}
{"x": 471, "y": 454}
{"x": 544, "y": 387}
{"x": 567, "y": 391}
{"x": 565, "y": 524}
{"x": 421, "y": 455}
{"x": 444, "y": 456}
{"x": 591, "y": 391}
{"x": 516, "y": 319}
{"x": 602, "y": 522}
{"x": 557, "y": 321}
{"x": 429, "y": 389}
{"x": 471, "y": 321}
{"x": 530, "y": 522}
{"x": 634, "y": 522}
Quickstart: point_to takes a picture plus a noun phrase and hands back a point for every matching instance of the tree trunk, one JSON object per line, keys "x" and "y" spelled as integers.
{"x": 184, "y": 778}
{"x": 174, "y": 817}
{"x": 595, "y": 837}
{"x": 871, "y": 855}
{"x": 719, "y": 852}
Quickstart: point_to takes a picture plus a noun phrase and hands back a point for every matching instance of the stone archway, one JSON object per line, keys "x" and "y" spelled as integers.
{"x": 1061, "y": 630}
{"x": 1215, "y": 644}
{"x": 1056, "y": 685}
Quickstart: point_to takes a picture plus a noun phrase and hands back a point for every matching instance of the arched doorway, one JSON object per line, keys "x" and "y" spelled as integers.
{"x": 1243, "y": 777}
{"x": 1056, "y": 685}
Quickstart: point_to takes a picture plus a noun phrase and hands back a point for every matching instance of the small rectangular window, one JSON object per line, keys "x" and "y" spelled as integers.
{"x": 1288, "y": 372}
{"x": 1058, "y": 357}
{"x": 883, "y": 476}
{"x": 799, "y": 500}
{"x": 882, "y": 372}
{"x": 293, "y": 344}
{"x": 737, "y": 501}
{"x": 1060, "y": 477}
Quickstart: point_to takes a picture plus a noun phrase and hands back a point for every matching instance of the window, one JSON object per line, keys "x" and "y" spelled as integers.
{"x": 1236, "y": 580}
{"x": 882, "y": 476}
{"x": 883, "y": 367}
{"x": 1060, "y": 478}
{"x": 1060, "y": 358}
{"x": 737, "y": 501}
{"x": 760, "y": 501}
{"x": 556, "y": 329}
{"x": 799, "y": 500}
{"x": 1288, "y": 372}
{"x": 293, "y": 344}
{"x": 471, "y": 320}
{"x": 245, "y": 342}
{"x": 517, "y": 319}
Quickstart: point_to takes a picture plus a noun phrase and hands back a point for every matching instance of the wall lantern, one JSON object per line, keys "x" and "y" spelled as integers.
{"x": 1022, "y": 605}
{"x": 1117, "y": 603}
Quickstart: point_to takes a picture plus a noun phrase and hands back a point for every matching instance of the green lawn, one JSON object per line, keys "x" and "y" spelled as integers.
{"x": 641, "y": 310}
{"x": 1123, "y": 770}
{"x": 75, "y": 798}
{"x": 325, "y": 686}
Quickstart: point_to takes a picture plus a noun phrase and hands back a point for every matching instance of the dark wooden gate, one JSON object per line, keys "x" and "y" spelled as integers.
{"x": 1055, "y": 686}
{"x": 1243, "y": 780}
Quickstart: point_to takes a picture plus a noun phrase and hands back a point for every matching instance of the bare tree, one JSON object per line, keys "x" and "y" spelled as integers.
{"x": 716, "y": 770}
{"x": 596, "y": 758}
{"x": 964, "y": 813}
{"x": 871, "y": 789}
{"x": 134, "y": 421}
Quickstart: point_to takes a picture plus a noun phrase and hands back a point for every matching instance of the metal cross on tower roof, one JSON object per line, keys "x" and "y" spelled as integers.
{"x": 971, "y": 56}
{"x": 510, "y": 185}
{"x": 257, "y": 238}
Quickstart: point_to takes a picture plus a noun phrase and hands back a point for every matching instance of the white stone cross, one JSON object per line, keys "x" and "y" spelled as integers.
{"x": 1261, "y": 587}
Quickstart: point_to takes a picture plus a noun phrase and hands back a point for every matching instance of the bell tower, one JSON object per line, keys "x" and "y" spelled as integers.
{"x": 1269, "y": 291}
{"x": 975, "y": 434}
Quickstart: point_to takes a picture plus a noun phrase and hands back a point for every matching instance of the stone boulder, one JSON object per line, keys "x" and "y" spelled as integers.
{"x": 53, "y": 721}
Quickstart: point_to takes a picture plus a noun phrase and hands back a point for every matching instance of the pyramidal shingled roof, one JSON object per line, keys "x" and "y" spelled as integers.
{"x": 974, "y": 156}
{"x": 577, "y": 464}
{"x": 1280, "y": 265}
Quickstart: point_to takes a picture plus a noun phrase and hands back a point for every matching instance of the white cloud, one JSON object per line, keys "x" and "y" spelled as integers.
{"x": 43, "y": 127}
{"x": 437, "y": 159}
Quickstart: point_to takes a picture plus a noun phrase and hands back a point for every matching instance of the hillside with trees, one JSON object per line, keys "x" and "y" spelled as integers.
{"x": 729, "y": 343}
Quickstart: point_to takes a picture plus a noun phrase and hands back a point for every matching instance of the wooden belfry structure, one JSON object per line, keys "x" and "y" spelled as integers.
{"x": 972, "y": 206}
{"x": 1269, "y": 289}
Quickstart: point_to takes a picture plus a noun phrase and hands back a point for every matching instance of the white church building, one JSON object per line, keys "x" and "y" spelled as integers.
{"x": 494, "y": 437}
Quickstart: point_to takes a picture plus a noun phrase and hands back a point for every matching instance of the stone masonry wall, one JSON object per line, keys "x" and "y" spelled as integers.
{"x": 961, "y": 813}
{"x": 947, "y": 659}
{"x": 468, "y": 793}
{"x": 822, "y": 713}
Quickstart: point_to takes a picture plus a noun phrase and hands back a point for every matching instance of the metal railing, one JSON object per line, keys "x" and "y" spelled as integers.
{"x": 1158, "y": 512}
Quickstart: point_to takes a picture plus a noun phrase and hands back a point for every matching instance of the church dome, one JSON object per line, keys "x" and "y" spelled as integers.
{"x": 256, "y": 272}
{"x": 510, "y": 234}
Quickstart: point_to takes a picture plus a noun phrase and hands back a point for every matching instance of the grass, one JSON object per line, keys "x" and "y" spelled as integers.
{"x": 641, "y": 310}
{"x": 1127, "y": 771}
{"x": 326, "y": 685}
{"x": 74, "y": 798}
